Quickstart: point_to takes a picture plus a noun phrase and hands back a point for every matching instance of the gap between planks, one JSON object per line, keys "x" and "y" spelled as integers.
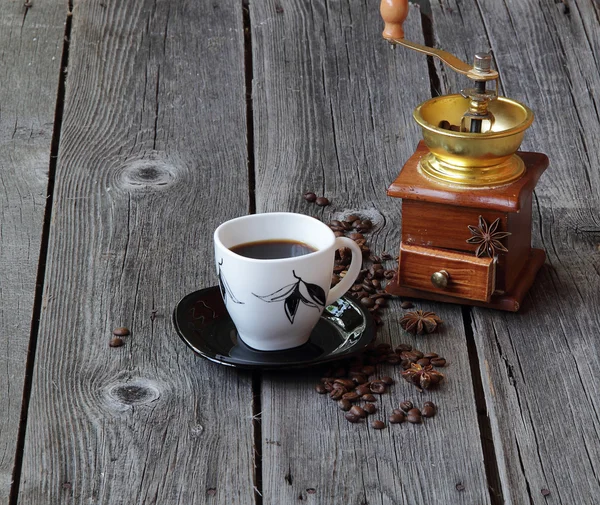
{"x": 41, "y": 271}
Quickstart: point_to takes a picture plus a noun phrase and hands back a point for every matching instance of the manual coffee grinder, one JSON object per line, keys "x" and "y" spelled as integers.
{"x": 466, "y": 191}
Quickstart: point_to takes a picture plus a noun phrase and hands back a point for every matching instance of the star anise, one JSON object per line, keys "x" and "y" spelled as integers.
{"x": 488, "y": 238}
{"x": 420, "y": 322}
{"x": 422, "y": 376}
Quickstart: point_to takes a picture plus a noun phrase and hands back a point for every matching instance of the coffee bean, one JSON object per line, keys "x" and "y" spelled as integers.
{"x": 378, "y": 387}
{"x": 363, "y": 389}
{"x": 368, "y": 370}
{"x": 406, "y": 305}
{"x": 370, "y": 408}
{"x": 403, "y": 348}
{"x": 339, "y": 233}
{"x": 121, "y": 332}
{"x": 388, "y": 381}
{"x": 320, "y": 389}
{"x": 353, "y": 418}
{"x": 398, "y": 417}
{"x": 351, "y": 396}
{"x": 358, "y": 411}
{"x": 406, "y": 406}
{"x": 428, "y": 411}
{"x": 423, "y": 361}
{"x": 367, "y": 223}
{"x": 356, "y": 236}
{"x": 116, "y": 342}
{"x": 344, "y": 405}
{"x": 322, "y": 201}
{"x": 389, "y": 274}
{"x": 460, "y": 487}
{"x": 378, "y": 425}
{"x": 368, "y": 397}
{"x": 438, "y": 362}
{"x": 310, "y": 196}
{"x": 337, "y": 394}
{"x": 376, "y": 283}
{"x": 417, "y": 353}
{"x": 414, "y": 416}
{"x": 347, "y": 383}
{"x": 392, "y": 359}
{"x": 360, "y": 379}
{"x": 351, "y": 218}
{"x": 545, "y": 492}
{"x": 430, "y": 355}
{"x": 429, "y": 404}
{"x": 367, "y": 302}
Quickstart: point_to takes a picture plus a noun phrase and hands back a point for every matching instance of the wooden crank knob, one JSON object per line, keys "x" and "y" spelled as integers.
{"x": 394, "y": 13}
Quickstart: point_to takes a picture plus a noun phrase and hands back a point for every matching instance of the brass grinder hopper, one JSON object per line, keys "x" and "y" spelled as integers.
{"x": 473, "y": 136}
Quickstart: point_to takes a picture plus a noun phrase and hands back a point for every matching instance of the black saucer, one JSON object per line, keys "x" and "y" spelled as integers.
{"x": 203, "y": 323}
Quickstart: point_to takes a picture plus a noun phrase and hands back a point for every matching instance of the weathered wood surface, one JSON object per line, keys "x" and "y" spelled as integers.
{"x": 152, "y": 158}
{"x": 332, "y": 114}
{"x": 541, "y": 367}
{"x": 31, "y": 43}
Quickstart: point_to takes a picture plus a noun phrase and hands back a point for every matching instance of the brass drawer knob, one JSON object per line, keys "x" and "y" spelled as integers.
{"x": 440, "y": 279}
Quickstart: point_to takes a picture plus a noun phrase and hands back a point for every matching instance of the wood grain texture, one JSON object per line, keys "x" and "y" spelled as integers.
{"x": 540, "y": 367}
{"x": 332, "y": 114}
{"x": 31, "y": 43}
{"x": 152, "y": 158}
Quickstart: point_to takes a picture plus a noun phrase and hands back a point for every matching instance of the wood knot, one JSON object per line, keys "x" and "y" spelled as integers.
{"x": 136, "y": 392}
{"x": 146, "y": 175}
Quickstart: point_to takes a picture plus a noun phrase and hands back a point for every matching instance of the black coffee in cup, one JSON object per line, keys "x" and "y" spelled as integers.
{"x": 272, "y": 249}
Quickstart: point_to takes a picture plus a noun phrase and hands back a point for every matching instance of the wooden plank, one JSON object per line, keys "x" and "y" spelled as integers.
{"x": 540, "y": 367}
{"x": 332, "y": 114}
{"x": 152, "y": 159}
{"x": 31, "y": 40}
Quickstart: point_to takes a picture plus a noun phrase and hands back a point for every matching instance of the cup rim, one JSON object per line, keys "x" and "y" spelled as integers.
{"x": 296, "y": 215}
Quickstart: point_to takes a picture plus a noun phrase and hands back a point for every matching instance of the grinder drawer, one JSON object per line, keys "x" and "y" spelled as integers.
{"x": 456, "y": 274}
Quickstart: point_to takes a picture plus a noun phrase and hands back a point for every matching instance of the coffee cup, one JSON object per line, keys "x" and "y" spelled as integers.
{"x": 275, "y": 273}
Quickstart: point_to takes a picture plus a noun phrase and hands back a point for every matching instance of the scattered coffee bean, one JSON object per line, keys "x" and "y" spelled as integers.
{"x": 353, "y": 418}
{"x": 351, "y": 218}
{"x": 322, "y": 201}
{"x": 438, "y": 362}
{"x": 403, "y": 348}
{"x": 430, "y": 355}
{"x": 406, "y": 305}
{"x": 336, "y": 394}
{"x": 367, "y": 302}
{"x": 116, "y": 342}
{"x": 397, "y": 411}
{"x": 363, "y": 389}
{"x": 397, "y": 418}
{"x": 351, "y": 397}
{"x": 347, "y": 383}
{"x": 368, "y": 397}
{"x": 414, "y": 416}
{"x": 370, "y": 408}
{"x": 460, "y": 487}
{"x": 378, "y": 425}
{"x": 344, "y": 405}
{"x": 406, "y": 406}
{"x": 310, "y": 196}
{"x": 378, "y": 387}
{"x": 121, "y": 332}
{"x": 428, "y": 410}
{"x": 358, "y": 411}
{"x": 423, "y": 361}
{"x": 545, "y": 492}
{"x": 388, "y": 381}
{"x": 320, "y": 389}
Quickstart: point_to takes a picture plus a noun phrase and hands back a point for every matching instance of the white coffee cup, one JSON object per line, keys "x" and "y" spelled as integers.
{"x": 275, "y": 303}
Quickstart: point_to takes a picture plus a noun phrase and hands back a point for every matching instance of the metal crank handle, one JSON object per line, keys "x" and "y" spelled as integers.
{"x": 394, "y": 13}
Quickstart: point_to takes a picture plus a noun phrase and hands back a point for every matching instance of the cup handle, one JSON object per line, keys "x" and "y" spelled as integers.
{"x": 355, "y": 265}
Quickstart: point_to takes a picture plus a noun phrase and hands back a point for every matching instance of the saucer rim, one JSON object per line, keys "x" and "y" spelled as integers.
{"x": 226, "y": 360}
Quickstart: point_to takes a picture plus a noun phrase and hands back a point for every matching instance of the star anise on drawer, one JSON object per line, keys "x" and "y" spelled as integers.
{"x": 422, "y": 376}
{"x": 488, "y": 238}
{"x": 420, "y": 322}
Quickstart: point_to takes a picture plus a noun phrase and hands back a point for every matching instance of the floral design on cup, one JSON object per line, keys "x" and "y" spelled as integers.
{"x": 309, "y": 294}
{"x": 224, "y": 287}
